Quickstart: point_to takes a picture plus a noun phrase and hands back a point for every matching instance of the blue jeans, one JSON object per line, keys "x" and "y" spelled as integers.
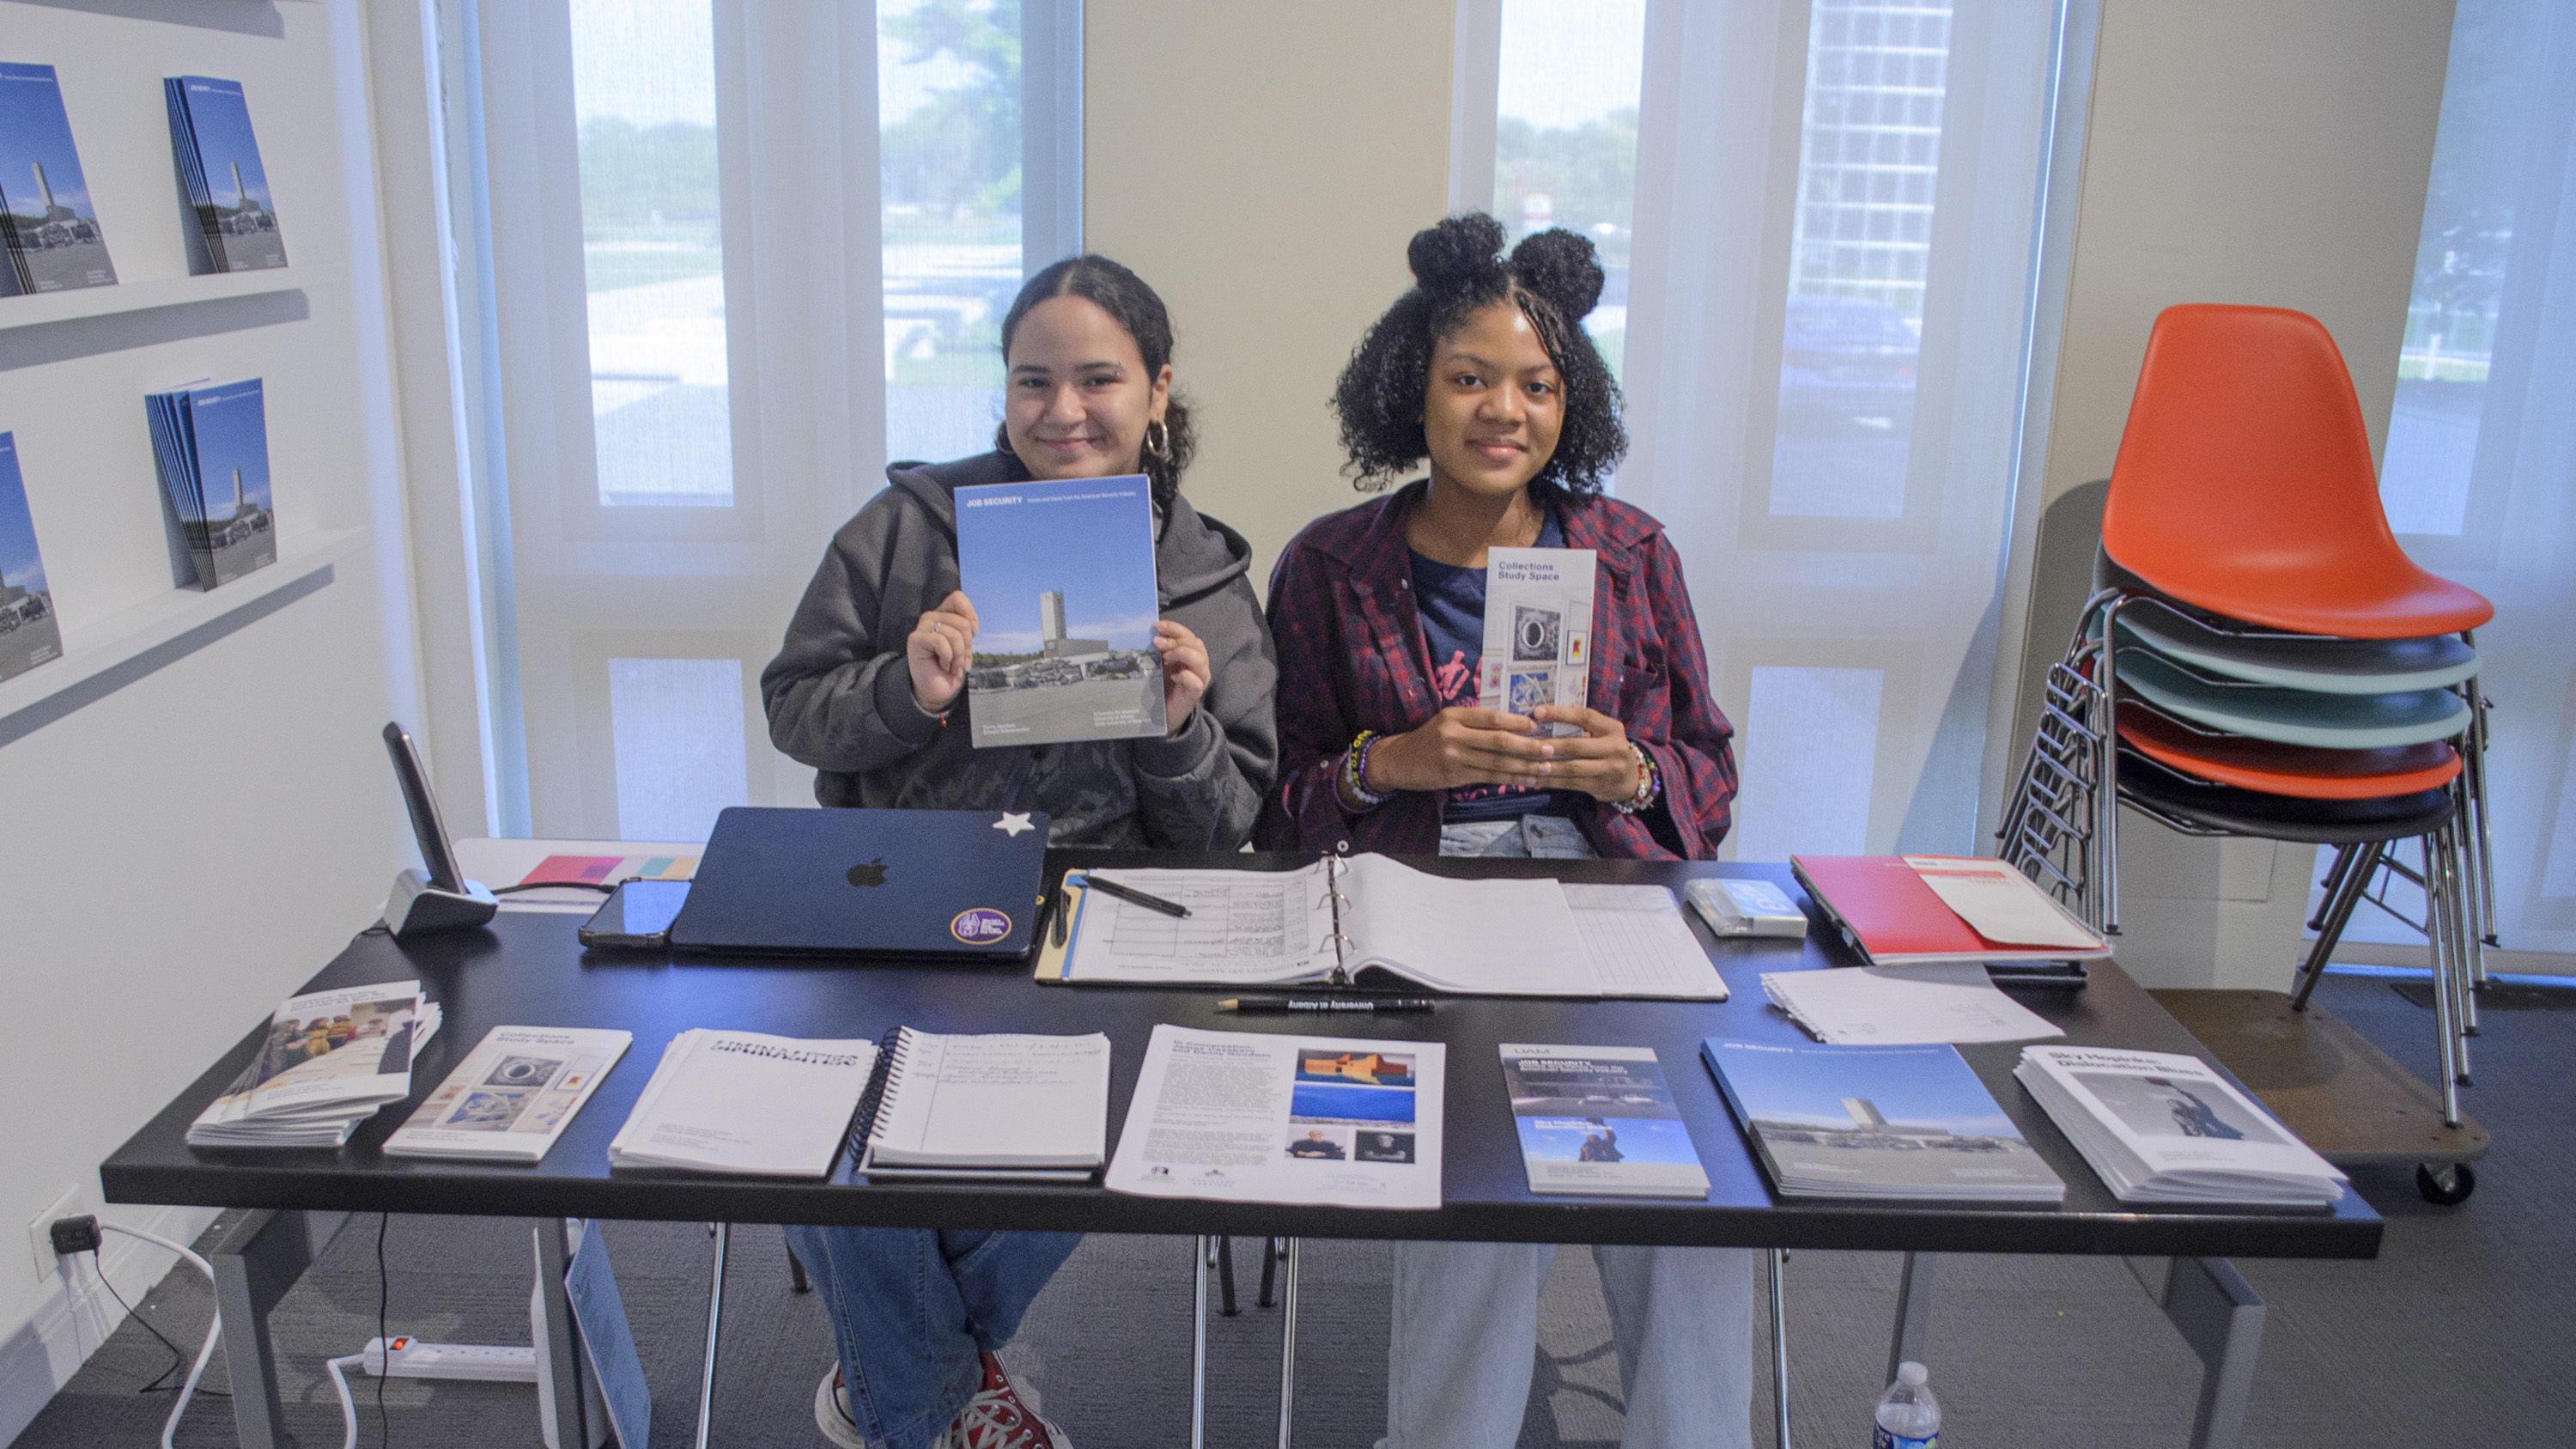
{"x": 912, "y": 1309}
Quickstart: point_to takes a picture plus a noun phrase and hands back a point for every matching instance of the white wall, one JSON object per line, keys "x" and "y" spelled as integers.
{"x": 2270, "y": 152}
{"x": 178, "y": 855}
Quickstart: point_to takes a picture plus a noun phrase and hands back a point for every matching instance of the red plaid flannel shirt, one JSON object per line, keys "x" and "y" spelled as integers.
{"x": 1352, "y": 657}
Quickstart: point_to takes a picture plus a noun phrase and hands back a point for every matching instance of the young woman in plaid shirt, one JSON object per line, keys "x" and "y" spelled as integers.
{"x": 1483, "y": 369}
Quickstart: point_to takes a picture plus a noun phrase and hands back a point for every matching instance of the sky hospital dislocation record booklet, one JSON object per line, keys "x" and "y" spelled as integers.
{"x": 513, "y": 1095}
{"x": 1061, "y": 575}
{"x": 739, "y": 1101}
{"x": 1599, "y": 1120}
{"x": 1877, "y": 1122}
{"x": 2160, "y": 1127}
{"x": 1246, "y": 1117}
{"x": 1538, "y": 630}
{"x": 1343, "y": 918}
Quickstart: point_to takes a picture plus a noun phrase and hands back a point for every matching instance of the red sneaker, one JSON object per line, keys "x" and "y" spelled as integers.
{"x": 998, "y": 1418}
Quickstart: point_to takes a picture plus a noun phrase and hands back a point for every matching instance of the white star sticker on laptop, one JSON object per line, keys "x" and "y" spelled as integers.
{"x": 1013, "y": 822}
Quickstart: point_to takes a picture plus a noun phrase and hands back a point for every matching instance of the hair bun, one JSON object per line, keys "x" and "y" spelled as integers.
{"x": 1560, "y": 266}
{"x": 1457, "y": 248}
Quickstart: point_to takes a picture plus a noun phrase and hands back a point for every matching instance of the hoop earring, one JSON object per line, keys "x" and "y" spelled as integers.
{"x": 1158, "y": 438}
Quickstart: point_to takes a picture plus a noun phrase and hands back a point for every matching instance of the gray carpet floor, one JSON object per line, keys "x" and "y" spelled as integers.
{"x": 2457, "y": 1333}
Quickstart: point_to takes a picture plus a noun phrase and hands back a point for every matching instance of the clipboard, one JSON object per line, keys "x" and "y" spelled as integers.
{"x": 1062, "y": 908}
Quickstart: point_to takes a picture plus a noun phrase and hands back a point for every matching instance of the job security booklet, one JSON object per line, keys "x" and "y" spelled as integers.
{"x": 1596, "y": 1119}
{"x": 1061, "y": 574}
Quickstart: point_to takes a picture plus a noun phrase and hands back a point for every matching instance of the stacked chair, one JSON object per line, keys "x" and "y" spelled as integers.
{"x": 2259, "y": 658}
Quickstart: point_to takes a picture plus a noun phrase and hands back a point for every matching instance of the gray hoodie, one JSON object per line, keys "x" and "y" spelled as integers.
{"x": 840, "y": 699}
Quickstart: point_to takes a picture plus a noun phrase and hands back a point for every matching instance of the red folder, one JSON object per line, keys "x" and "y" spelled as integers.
{"x": 1889, "y": 914}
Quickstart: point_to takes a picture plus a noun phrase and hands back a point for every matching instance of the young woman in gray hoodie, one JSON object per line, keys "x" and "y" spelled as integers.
{"x": 869, "y": 689}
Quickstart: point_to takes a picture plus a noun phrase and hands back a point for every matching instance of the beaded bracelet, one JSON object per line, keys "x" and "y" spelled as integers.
{"x": 1650, "y": 784}
{"x": 1355, "y": 772}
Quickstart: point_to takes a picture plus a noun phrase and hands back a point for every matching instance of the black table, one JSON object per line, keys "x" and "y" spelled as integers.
{"x": 526, "y": 969}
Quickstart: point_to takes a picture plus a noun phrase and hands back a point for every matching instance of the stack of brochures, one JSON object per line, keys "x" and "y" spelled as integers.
{"x": 999, "y": 1106}
{"x": 332, "y": 1058}
{"x": 219, "y": 168}
{"x": 2165, "y": 1128}
{"x": 48, "y": 225}
{"x": 738, "y": 1101}
{"x": 512, "y": 1096}
{"x": 1877, "y": 1122}
{"x": 211, "y": 446}
{"x": 1599, "y": 1120}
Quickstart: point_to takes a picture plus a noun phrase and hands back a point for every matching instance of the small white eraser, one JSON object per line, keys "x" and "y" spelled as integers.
{"x": 1746, "y": 908}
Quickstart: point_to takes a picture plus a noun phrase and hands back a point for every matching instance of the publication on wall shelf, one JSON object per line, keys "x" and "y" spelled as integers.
{"x": 1247, "y": 1117}
{"x": 1599, "y": 1120}
{"x": 2161, "y": 1127}
{"x": 512, "y": 1096}
{"x": 210, "y": 443}
{"x": 331, "y": 1058}
{"x": 1061, "y": 575}
{"x": 740, "y": 1101}
{"x": 48, "y": 226}
{"x": 220, "y": 169}
{"x": 1876, "y": 1122}
{"x": 29, "y": 634}
{"x": 1538, "y": 630}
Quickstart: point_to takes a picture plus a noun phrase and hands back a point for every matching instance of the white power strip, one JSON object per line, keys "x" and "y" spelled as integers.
{"x": 413, "y": 1359}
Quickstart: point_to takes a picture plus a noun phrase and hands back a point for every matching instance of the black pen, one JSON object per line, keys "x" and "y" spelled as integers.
{"x": 1130, "y": 893}
{"x": 1281, "y": 1006}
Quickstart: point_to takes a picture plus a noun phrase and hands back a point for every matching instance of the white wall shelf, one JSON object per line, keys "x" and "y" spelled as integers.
{"x": 43, "y": 308}
{"x": 106, "y": 655}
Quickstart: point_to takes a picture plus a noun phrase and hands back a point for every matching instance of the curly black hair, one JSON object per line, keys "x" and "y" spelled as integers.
{"x": 1458, "y": 269}
{"x": 1134, "y": 306}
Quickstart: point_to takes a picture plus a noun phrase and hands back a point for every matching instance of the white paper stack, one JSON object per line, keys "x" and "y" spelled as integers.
{"x": 1937, "y": 1001}
{"x": 2165, "y": 1128}
{"x": 332, "y": 1059}
{"x": 512, "y": 1096}
{"x": 738, "y": 1101}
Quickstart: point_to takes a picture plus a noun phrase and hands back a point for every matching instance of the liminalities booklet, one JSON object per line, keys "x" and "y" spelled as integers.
{"x": 1061, "y": 575}
{"x": 1599, "y": 1120}
{"x": 742, "y": 1101}
{"x": 1239, "y": 1116}
{"x": 29, "y": 635}
{"x": 48, "y": 225}
{"x": 1538, "y": 630}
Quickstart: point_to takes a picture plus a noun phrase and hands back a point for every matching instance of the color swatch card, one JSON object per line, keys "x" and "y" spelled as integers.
{"x": 28, "y": 634}
{"x": 1061, "y": 575}
{"x": 48, "y": 227}
{"x": 1538, "y": 630}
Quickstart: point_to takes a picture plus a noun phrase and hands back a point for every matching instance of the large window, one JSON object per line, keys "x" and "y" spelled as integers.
{"x": 1565, "y": 135}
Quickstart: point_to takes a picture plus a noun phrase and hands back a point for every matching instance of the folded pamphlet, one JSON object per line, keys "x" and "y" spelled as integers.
{"x": 2165, "y": 1128}
{"x": 512, "y": 1096}
{"x": 1538, "y": 631}
{"x": 739, "y": 1101}
{"x": 1599, "y": 1120}
{"x": 1894, "y": 1122}
{"x": 1251, "y": 1117}
{"x": 332, "y": 1058}
{"x": 1934, "y": 1001}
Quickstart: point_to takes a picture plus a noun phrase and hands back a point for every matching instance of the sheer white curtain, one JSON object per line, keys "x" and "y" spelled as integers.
{"x": 1828, "y": 309}
{"x": 2481, "y": 457}
{"x": 732, "y": 257}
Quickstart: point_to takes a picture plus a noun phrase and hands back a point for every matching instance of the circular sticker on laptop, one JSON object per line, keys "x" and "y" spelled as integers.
{"x": 979, "y": 926}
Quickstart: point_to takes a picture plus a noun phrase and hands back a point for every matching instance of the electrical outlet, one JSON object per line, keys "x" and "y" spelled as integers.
{"x": 40, "y": 1240}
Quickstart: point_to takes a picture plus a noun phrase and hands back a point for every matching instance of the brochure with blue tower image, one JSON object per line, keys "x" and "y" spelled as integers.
{"x": 29, "y": 635}
{"x": 48, "y": 225}
{"x": 219, "y": 167}
{"x": 1061, "y": 574}
{"x": 211, "y": 445}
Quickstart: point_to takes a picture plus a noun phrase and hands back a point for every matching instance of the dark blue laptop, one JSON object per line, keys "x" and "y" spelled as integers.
{"x": 866, "y": 883}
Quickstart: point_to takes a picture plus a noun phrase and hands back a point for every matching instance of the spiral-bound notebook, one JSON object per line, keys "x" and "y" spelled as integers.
{"x": 1032, "y": 1108}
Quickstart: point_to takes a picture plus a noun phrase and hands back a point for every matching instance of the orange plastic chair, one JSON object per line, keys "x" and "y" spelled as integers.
{"x": 2244, "y": 484}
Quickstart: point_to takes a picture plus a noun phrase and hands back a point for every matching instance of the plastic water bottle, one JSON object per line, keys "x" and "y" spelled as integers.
{"x": 1908, "y": 1416}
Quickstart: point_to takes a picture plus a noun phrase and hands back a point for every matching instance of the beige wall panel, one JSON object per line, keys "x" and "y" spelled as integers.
{"x": 1262, "y": 167}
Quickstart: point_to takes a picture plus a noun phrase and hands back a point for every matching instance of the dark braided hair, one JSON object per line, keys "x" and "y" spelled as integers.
{"x": 1132, "y": 305}
{"x": 1459, "y": 269}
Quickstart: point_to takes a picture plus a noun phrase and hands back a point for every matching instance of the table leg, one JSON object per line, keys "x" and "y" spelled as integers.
{"x": 2219, "y": 1315}
{"x": 1287, "y": 1340}
{"x": 1913, "y": 1314}
{"x": 1198, "y": 1342}
{"x": 1780, "y": 1341}
{"x": 254, "y": 1266}
{"x": 561, "y": 1348}
{"x": 715, "y": 1320}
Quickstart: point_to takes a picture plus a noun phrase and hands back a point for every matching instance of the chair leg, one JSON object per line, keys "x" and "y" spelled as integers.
{"x": 1225, "y": 1274}
{"x": 2456, "y": 928}
{"x": 2106, "y": 790}
{"x": 1200, "y": 1259}
{"x": 1780, "y": 1342}
{"x": 723, "y": 1234}
{"x": 2333, "y": 885}
{"x": 2445, "y": 1017}
{"x": 2355, "y": 867}
{"x": 1287, "y": 1339}
{"x": 1271, "y": 1251}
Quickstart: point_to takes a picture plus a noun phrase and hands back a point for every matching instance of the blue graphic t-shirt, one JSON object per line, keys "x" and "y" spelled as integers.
{"x": 1451, "y": 601}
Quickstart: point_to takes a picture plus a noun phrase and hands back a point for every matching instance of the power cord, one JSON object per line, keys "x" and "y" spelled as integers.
{"x": 178, "y": 1355}
{"x": 82, "y": 1235}
{"x": 384, "y": 1295}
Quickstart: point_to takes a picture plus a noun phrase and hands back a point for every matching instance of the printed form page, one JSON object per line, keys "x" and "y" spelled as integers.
{"x": 996, "y": 1101}
{"x": 1245, "y": 927}
{"x": 1482, "y": 937}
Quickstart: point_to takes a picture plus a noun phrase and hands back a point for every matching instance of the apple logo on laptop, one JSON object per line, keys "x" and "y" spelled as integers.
{"x": 870, "y": 874}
